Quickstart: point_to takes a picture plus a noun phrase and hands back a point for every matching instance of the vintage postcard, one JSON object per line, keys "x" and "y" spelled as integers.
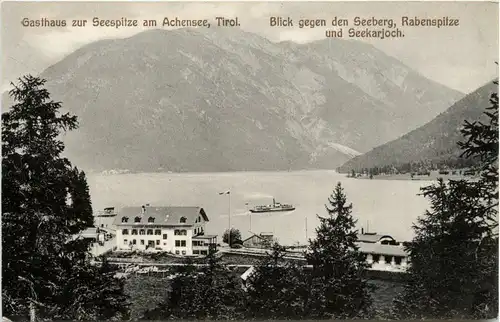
{"x": 249, "y": 160}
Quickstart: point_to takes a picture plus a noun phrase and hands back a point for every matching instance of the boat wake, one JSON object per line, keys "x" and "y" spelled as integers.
{"x": 236, "y": 214}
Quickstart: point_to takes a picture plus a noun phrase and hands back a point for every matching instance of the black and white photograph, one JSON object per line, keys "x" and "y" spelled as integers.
{"x": 249, "y": 160}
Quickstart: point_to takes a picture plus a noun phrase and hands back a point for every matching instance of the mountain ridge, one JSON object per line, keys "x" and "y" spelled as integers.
{"x": 435, "y": 141}
{"x": 237, "y": 94}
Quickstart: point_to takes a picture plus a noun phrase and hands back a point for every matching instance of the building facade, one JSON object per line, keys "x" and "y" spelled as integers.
{"x": 264, "y": 240}
{"x": 178, "y": 230}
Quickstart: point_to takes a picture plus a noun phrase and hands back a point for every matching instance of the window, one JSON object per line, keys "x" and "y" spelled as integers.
{"x": 183, "y": 252}
{"x": 142, "y": 241}
{"x": 164, "y": 236}
{"x": 177, "y": 252}
{"x": 180, "y": 243}
{"x": 196, "y": 252}
{"x": 124, "y": 219}
{"x": 151, "y": 219}
{"x": 183, "y": 220}
{"x": 125, "y": 232}
{"x": 141, "y": 232}
{"x": 134, "y": 231}
{"x": 150, "y": 232}
{"x": 125, "y": 242}
{"x": 134, "y": 242}
{"x": 157, "y": 242}
{"x": 180, "y": 232}
{"x": 157, "y": 231}
{"x": 137, "y": 219}
{"x": 204, "y": 252}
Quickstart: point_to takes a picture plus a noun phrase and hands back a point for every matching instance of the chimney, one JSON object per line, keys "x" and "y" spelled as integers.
{"x": 362, "y": 231}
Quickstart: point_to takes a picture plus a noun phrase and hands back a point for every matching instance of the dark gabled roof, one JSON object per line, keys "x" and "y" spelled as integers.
{"x": 372, "y": 237}
{"x": 379, "y": 249}
{"x": 261, "y": 236}
{"x": 170, "y": 216}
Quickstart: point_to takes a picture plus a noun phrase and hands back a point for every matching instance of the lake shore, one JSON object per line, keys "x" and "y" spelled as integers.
{"x": 407, "y": 177}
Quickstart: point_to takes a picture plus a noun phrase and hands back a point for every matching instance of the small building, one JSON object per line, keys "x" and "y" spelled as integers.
{"x": 105, "y": 219}
{"x": 385, "y": 255}
{"x": 179, "y": 230}
{"x": 263, "y": 240}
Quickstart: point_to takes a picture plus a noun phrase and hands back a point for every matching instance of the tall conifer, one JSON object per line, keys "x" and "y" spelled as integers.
{"x": 44, "y": 268}
{"x": 340, "y": 289}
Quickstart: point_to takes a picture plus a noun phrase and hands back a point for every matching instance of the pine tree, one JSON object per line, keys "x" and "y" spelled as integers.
{"x": 277, "y": 289}
{"x": 454, "y": 254}
{"x": 339, "y": 287}
{"x": 44, "y": 269}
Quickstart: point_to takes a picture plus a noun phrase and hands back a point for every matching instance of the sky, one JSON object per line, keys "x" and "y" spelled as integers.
{"x": 460, "y": 57}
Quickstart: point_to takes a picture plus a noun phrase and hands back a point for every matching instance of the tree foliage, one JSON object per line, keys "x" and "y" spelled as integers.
{"x": 210, "y": 292}
{"x": 235, "y": 235}
{"x": 44, "y": 203}
{"x": 339, "y": 287}
{"x": 278, "y": 288}
{"x": 454, "y": 254}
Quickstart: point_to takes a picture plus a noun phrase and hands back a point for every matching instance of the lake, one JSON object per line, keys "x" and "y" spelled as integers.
{"x": 382, "y": 206}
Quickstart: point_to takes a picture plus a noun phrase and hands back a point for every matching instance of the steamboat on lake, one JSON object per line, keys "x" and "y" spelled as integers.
{"x": 276, "y": 206}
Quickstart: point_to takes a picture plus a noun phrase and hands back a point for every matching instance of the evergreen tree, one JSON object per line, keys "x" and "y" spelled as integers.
{"x": 211, "y": 292}
{"x": 44, "y": 269}
{"x": 277, "y": 289}
{"x": 454, "y": 254}
{"x": 339, "y": 287}
{"x": 80, "y": 198}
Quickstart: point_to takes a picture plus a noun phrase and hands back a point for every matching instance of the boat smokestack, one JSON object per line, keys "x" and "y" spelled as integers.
{"x": 274, "y": 202}
{"x": 143, "y": 210}
{"x": 362, "y": 231}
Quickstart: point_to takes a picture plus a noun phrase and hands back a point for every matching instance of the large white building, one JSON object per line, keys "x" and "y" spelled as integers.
{"x": 179, "y": 230}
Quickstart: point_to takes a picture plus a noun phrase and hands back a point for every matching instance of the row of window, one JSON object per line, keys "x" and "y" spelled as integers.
{"x": 142, "y": 232}
{"x": 177, "y": 232}
{"x": 134, "y": 242}
{"x": 150, "y": 219}
{"x": 178, "y": 243}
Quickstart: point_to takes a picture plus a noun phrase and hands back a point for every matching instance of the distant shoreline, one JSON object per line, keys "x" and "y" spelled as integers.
{"x": 126, "y": 172}
{"x": 406, "y": 177}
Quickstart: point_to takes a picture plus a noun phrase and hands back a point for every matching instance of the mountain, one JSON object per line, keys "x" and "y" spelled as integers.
{"x": 226, "y": 100}
{"x": 435, "y": 141}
